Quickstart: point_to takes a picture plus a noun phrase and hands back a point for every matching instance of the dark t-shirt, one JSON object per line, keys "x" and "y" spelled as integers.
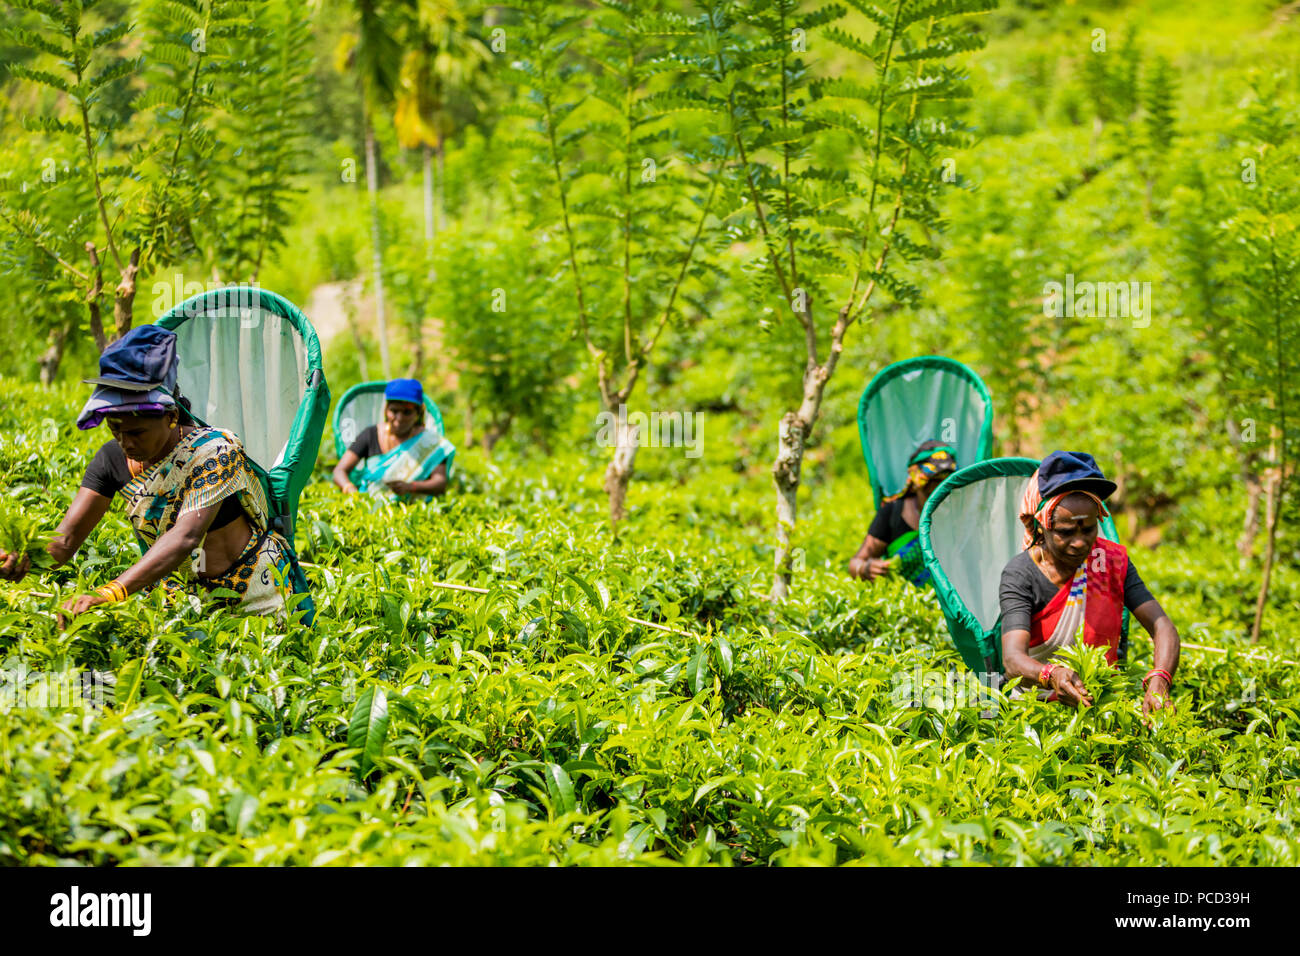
{"x": 367, "y": 443}
{"x": 108, "y": 473}
{"x": 1025, "y": 591}
{"x": 888, "y": 524}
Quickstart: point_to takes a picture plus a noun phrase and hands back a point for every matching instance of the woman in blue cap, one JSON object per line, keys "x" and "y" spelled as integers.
{"x": 1070, "y": 586}
{"x": 198, "y": 508}
{"x": 402, "y": 458}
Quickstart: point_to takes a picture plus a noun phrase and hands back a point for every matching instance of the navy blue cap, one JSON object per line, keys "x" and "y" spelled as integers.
{"x": 1072, "y": 471}
{"x": 404, "y": 390}
{"x": 140, "y": 361}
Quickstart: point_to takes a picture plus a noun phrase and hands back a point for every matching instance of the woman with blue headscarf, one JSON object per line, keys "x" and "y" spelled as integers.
{"x": 198, "y": 509}
{"x": 400, "y": 458}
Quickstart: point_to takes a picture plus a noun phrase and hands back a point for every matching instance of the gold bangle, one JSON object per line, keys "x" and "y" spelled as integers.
{"x": 114, "y": 591}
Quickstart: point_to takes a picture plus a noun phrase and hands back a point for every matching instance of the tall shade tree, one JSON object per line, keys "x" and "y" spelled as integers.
{"x": 829, "y": 238}
{"x": 131, "y": 185}
{"x": 630, "y": 225}
{"x": 445, "y": 59}
{"x": 372, "y": 53}
{"x": 1262, "y": 331}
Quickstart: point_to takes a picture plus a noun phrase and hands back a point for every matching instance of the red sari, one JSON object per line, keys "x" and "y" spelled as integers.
{"x": 1102, "y": 594}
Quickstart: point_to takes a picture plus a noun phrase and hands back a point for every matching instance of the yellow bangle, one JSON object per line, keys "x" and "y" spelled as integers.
{"x": 113, "y": 591}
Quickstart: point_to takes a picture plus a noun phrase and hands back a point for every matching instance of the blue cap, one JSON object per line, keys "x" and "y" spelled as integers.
{"x": 137, "y": 374}
{"x": 1072, "y": 471}
{"x": 404, "y": 390}
{"x": 140, "y": 361}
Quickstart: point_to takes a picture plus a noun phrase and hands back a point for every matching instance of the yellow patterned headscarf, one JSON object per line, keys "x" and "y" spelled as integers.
{"x": 924, "y": 465}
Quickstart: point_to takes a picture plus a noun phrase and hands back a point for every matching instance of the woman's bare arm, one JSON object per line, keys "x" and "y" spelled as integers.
{"x": 435, "y": 484}
{"x": 86, "y": 511}
{"x": 867, "y": 563}
{"x": 343, "y": 469}
{"x": 165, "y": 556}
{"x": 171, "y": 549}
{"x": 1164, "y": 637}
{"x": 1016, "y": 662}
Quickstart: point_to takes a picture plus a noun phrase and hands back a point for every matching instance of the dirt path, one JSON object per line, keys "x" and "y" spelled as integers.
{"x": 327, "y": 309}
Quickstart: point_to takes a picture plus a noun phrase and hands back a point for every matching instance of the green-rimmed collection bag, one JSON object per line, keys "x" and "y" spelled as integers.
{"x": 250, "y": 362}
{"x": 918, "y": 400}
{"x": 970, "y": 528}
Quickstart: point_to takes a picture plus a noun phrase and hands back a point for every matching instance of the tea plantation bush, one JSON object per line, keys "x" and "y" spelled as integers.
{"x": 537, "y": 724}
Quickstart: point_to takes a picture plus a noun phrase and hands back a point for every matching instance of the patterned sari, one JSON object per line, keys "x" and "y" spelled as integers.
{"x": 1088, "y": 610}
{"x": 206, "y": 466}
{"x": 413, "y": 460}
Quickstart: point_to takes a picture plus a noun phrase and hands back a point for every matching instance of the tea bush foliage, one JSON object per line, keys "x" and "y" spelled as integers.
{"x": 532, "y": 714}
{"x": 536, "y": 723}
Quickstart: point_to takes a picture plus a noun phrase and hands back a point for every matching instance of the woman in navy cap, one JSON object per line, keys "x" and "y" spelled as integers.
{"x": 1070, "y": 586}
{"x": 403, "y": 458}
{"x": 198, "y": 509}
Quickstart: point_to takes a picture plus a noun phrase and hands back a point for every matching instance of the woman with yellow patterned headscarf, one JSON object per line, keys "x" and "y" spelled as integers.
{"x": 892, "y": 542}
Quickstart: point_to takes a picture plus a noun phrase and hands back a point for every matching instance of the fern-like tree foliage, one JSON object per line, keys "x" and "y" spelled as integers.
{"x": 117, "y": 193}
{"x": 1262, "y": 324}
{"x": 265, "y": 93}
{"x": 1203, "y": 258}
{"x": 1003, "y": 234}
{"x": 829, "y": 237}
{"x": 619, "y": 191}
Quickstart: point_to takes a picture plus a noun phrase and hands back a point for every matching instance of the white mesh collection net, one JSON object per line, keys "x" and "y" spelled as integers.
{"x": 974, "y": 531}
{"x": 922, "y": 405}
{"x": 245, "y": 370}
{"x": 362, "y": 410}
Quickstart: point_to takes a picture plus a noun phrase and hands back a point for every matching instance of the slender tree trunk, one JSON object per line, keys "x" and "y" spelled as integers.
{"x": 440, "y": 187}
{"x": 372, "y": 186}
{"x": 1274, "y": 509}
{"x": 124, "y": 299}
{"x": 416, "y": 369}
{"x": 53, "y": 356}
{"x": 97, "y": 326}
{"x": 785, "y": 472}
{"x": 495, "y": 433}
{"x": 792, "y": 434}
{"x": 93, "y": 297}
{"x": 619, "y": 473}
{"x": 1254, "y": 492}
{"x": 429, "y": 227}
{"x": 1250, "y": 526}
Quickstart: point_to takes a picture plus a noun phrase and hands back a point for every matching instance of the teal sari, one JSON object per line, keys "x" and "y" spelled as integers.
{"x": 413, "y": 460}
